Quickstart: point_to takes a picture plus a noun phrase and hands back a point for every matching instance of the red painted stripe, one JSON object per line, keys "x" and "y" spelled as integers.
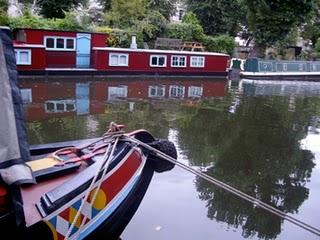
{"x": 115, "y": 183}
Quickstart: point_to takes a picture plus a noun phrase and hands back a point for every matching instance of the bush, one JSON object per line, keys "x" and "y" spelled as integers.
{"x": 27, "y": 20}
{"x": 69, "y": 23}
{"x": 317, "y": 45}
{"x": 185, "y": 32}
{"x": 191, "y": 18}
{"x": 222, "y": 43}
{"x": 152, "y": 26}
{"x": 4, "y": 20}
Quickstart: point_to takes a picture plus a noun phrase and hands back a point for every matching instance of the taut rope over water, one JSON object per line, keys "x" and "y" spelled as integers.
{"x": 230, "y": 189}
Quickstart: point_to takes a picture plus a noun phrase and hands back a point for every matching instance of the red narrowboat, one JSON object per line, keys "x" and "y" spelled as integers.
{"x": 51, "y": 52}
{"x": 84, "y": 189}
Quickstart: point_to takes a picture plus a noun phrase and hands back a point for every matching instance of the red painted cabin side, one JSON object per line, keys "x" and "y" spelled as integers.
{"x": 50, "y": 50}
{"x": 59, "y": 52}
{"x": 139, "y": 61}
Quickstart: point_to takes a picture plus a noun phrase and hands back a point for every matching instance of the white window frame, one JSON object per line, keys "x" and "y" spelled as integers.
{"x": 26, "y": 95}
{"x": 115, "y": 93}
{"x": 179, "y": 56}
{"x": 54, "y": 48}
{"x": 193, "y": 89}
{"x": 119, "y": 55}
{"x": 157, "y": 88}
{"x": 158, "y": 56}
{"x": 18, "y": 52}
{"x": 177, "y": 86}
{"x": 64, "y": 102}
{"x": 196, "y": 58}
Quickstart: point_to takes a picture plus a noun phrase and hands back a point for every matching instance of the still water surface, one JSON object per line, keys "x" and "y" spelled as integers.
{"x": 260, "y": 137}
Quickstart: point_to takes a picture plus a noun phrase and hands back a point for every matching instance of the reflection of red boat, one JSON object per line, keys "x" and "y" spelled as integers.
{"x": 50, "y": 52}
{"x": 87, "y": 191}
{"x": 65, "y": 97}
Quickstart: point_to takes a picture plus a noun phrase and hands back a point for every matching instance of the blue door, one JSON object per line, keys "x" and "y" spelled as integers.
{"x": 83, "y": 50}
{"x": 83, "y": 100}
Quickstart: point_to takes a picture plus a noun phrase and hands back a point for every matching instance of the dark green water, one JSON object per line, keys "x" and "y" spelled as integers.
{"x": 260, "y": 137}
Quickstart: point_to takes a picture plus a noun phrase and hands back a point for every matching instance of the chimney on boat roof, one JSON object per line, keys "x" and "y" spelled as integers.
{"x": 134, "y": 42}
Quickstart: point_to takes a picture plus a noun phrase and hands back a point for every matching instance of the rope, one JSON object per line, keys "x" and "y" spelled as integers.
{"x": 230, "y": 189}
{"x": 104, "y": 165}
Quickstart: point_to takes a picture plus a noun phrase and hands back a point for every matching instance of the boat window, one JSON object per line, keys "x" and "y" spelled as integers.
{"x": 118, "y": 92}
{"x": 176, "y": 91}
{"x": 195, "y": 91}
{"x": 26, "y": 95}
{"x": 50, "y": 43}
{"x": 70, "y": 43}
{"x": 118, "y": 59}
{"x": 196, "y": 61}
{"x": 57, "y": 106}
{"x": 158, "y": 61}
{"x": 178, "y": 61}
{"x": 122, "y": 60}
{"x": 23, "y": 56}
{"x": 60, "y": 43}
{"x": 156, "y": 91}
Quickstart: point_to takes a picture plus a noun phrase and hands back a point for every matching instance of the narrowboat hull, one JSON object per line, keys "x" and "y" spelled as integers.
{"x": 261, "y": 69}
{"x": 52, "y": 52}
{"x": 105, "y": 217}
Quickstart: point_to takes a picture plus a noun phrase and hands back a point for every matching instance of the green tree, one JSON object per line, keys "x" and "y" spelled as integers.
{"x": 221, "y": 43}
{"x": 270, "y": 21}
{"x": 185, "y": 31}
{"x": 3, "y": 12}
{"x": 189, "y": 29}
{"x": 70, "y": 23}
{"x": 152, "y": 26}
{"x": 57, "y": 8}
{"x": 165, "y": 7}
{"x": 311, "y": 28}
{"x": 191, "y": 18}
{"x": 218, "y": 16}
{"x": 4, "y": 5}
{"x": 28, "y": 20}
{"x": 106, "y": 4}
{"x": 124, "y": 14}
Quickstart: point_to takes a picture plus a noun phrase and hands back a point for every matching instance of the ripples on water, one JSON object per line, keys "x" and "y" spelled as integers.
{"x": 259, "y": 136}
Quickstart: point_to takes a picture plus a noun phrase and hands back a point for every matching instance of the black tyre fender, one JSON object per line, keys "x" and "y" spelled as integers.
{"x": 159, "y": 164}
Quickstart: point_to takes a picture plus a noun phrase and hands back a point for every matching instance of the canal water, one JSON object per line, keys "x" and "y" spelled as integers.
{"x": 262, "y": 137}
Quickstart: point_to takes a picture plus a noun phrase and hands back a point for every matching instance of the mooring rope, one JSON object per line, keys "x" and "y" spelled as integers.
{"x": 104, "y": 165}
{"x": 230, "y": 189}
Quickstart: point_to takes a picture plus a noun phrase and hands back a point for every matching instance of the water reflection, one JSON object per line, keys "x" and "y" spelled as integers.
{"x": 256, "y": 150}
{"x": 280, "y": 88}
{"x": 54, "y": 106}
{"x": 248, "y": 135}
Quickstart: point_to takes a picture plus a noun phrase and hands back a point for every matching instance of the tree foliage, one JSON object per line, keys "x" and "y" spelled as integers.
{"x": 3, "y": 12}
{"x": 57, "y": 8}
{"x": 28, "y": 20}
{"x": 185, "y": 31}
{"x": 221, "y": 43}
{"x": 124, "y": 14}
{"x": 153, "y": 25}
{"x": 218, "y": 16}
{"x": 271, "y": 20}
{"x": 311, "y": 28}
{"x": 106, "y": 4}
{"x": 4, "y": 5}
{"x": 165, "y": 7}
